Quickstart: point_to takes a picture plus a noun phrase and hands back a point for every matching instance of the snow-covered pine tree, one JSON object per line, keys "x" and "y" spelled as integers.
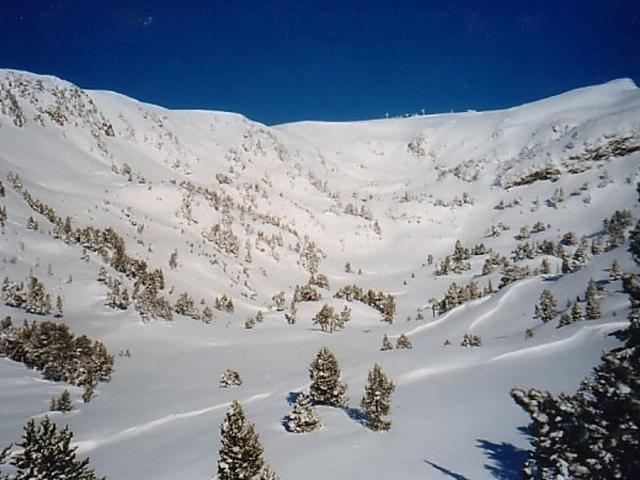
{"x": 615, "y": 272}
{"x": 240, "y": 456}
{"x": 327, "y": 319}
{"x": 565, "y": 319}
{"x": 38, "y": 300}
{"x": 47, "y": 454}
{"x": 303, "y": 417}
{"x": 207, "y": 314}
{"x": 577, "y": 314}
{"x": 324, "y": 372}
{"x": 593, "y": 301}
{"x": 547, "y": 307}
{"x": 594, "y": 433}
{"x": 186, "y": 306}
{"x": 545, "y": 267}
{"x": 386, "y": 344}
{"x": 230, "y": 378}
{"x": 62, "y": 403}
{"x": 376, "y": 400}
{"x": 58, "y": 311}
{"x": 403, "y": 342}
{"x": 268, "y": 473}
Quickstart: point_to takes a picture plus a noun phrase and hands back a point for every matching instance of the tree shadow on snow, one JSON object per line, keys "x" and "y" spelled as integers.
{"x": 446, "y": 471}
{"x": 506, "y": 460}
{"x": 292, "y": 397}
{"x": 354, "y": 414}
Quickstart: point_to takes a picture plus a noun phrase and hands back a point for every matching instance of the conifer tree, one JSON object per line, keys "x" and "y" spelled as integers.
{"x": 545, "y": 268}
{"x": 38, "y": 301}
{"x": 58, "y": 310}
{"x": 47, "y": 454}
{"x": 565, "y": 319}
{"x": 403, "y": 342}
{"x": 268, "y": 473}
{"x": 386, "y": 344}
{"x": 593, "y": 301}
{"x": 576, "y": 312}
{"x": 546, "y": 309}
{"x": 207, "y": 314}
{"x": 186, "y": 306}
{"x": 62, "y": 403}
{"x": 324, "y": 372}
{"x": 376, "y": 400}
{"x": 615, "y": 272}
{"x": 240, "y": 456}
{"x": 303, "y": 417}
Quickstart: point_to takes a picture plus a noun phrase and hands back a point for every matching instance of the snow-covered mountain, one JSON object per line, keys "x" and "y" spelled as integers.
{"x": 227, "y": 206}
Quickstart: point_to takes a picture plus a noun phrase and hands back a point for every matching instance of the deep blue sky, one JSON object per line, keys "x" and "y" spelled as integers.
{"x": 278, "y": 61}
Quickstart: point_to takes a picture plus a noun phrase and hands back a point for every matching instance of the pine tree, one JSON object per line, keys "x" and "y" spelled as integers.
{"x": 376, "y": 400}
{"x": 47, "y": 454}
{"x": 268, "y": 473}
{"x": 576, "y": 312}
{"x": 38, "y": 301}
{"x": 403, "y": 342}
{"x": 324, "y": 372}
{"x": 207, "y": 314}
{"x": 58, "y": 310}
{"x": 240, "y": 456}
{"x": 230, "y": 378}
{"x": 545, "y": 268}
{"x": 615, "y": 272}
{"x": 186, "y": 306}
{"x": 546, "y": 309}
{"x": 565, "y": 319}
{"x": 386, "y": 344}
{"x": 62, "y": 403}
{"x": 593, "y": 301}
{"x": 303, "y": 417}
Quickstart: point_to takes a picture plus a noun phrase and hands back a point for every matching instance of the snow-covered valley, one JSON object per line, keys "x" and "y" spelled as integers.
{"x": 231, "y": 209}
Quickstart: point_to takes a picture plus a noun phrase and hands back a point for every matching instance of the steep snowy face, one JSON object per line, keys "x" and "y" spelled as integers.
{"x": 241, "y": 232}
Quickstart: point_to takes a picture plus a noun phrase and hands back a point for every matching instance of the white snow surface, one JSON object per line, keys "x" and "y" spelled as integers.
{"x": 159, "y": 416}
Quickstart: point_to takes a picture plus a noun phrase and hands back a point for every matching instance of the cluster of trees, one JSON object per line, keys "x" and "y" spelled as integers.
{"x": 61, "y": 356}
{"x": 594, "y": 432}
{"x": 457, "y": 295}
{"x": 33, "y": 299}
{"x": 107, "y": 243}
{"x": 457, "y": 262}
{"x": 329, "y": 321}
{"x": 402, "y": 343}
{"x": 547, "y": 307}
{"x": 383, "y": 303}
{"x": 327, "y": 389}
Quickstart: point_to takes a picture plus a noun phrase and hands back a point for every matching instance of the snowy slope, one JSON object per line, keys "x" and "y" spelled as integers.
{"x": 107, "y": 160}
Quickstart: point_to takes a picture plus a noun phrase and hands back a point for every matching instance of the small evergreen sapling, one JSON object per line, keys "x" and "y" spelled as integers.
{"x": 62, "y": 403}
{"x": 386, "y": 344}
{"x": 471, "y": 340}
{"x": 577, "y": 314}
{"x": 230, "y": 378}
{"x": 403, "y": 342}
{"x": 303, "y": 417}
{"x": 376, "y": 400}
